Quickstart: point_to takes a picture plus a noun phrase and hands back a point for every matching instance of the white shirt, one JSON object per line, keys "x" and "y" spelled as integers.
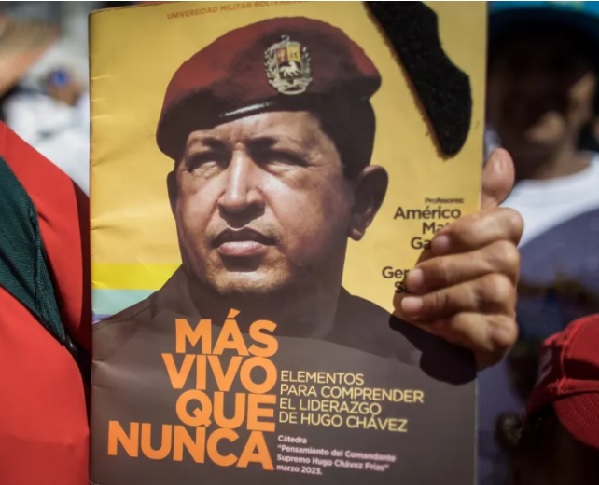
{"x": 546, "y": 203}
{"x": 58, "y": 131}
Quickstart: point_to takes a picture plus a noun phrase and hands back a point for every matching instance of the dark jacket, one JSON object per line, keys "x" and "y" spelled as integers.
{"x": 131, "y": 386}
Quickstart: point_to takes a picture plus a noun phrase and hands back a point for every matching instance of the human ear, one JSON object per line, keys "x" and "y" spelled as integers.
{"x": 171, "y": 185}
{"x": 369, "y": 186}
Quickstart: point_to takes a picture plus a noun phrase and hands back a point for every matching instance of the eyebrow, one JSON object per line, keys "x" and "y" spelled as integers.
{"x": 265, "y": 142}
{"x": 260, "y": 141}
{"x": 210, "y": 141}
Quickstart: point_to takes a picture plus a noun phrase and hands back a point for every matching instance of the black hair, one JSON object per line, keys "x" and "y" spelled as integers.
{"x": 584, "y": 43}
{"x": 527, "y": 438}
{"x": 523, "y": 363}
{"x": 531, "y": 441}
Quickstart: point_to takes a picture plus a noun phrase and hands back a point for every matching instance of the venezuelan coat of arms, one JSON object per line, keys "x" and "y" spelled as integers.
{"x": 287, "y": 66}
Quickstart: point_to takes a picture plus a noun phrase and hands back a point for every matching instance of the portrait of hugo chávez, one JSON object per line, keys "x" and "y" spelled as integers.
{"x": 270, "y": 130}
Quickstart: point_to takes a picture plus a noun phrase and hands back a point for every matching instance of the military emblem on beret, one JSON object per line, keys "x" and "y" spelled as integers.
{"x": 287, "y": 66}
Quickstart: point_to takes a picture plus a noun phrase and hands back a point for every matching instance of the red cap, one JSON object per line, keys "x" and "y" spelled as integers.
{"x": 283, "y": 63}
{"x": 569, "y": 379}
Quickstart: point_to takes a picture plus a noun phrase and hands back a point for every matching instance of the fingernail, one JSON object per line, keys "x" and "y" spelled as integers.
{"x": 416, "y": 283}
{"x": 441, "y": 245}
{"x": 411, "y": 304}
{"x": 498, "y": 162}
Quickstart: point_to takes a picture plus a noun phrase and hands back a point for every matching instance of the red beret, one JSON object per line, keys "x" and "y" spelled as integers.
{"x": 284, "y": 63}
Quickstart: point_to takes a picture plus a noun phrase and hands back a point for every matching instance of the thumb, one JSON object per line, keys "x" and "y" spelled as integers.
{"x": 497, "y": 179}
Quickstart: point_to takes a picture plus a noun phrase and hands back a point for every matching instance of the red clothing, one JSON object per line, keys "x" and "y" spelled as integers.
{"x": 44, "y": 430}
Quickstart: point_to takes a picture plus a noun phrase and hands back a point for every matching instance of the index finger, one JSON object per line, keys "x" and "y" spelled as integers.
{"x": 477, "y": 230}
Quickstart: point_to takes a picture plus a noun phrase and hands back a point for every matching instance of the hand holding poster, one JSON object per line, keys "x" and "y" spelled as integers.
{"x": 264, "y": 176}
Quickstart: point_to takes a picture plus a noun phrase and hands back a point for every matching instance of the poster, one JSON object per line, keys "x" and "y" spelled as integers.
{"x": 264, "y": 177}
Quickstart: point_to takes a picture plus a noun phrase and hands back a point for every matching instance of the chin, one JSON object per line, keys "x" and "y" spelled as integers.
{"x": 248, "y": 284}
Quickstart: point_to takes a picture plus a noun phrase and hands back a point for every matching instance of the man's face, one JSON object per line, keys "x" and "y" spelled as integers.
{"x": 261, "y": 204}
{"x": 540, "y": 93}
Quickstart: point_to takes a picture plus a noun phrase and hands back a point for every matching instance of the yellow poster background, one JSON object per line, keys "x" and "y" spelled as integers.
{"x": 135, "y": 52}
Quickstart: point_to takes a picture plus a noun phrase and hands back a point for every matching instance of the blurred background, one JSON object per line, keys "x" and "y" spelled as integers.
{"x": 542, "y": 106}
{"x": 44, "y": 79}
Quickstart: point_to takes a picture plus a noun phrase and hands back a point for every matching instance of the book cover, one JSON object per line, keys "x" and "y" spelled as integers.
{"x": 264, "y": 176}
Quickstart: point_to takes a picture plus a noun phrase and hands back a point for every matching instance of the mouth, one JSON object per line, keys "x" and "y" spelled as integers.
{"x": 242, "y": 242}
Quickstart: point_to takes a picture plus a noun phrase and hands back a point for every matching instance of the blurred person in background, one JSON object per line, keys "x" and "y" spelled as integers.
{"x": 542, "y": 85}
{"x": 48, "y": 105}
{"x": 44, "y": 288}
{"x": 45, "y": 317}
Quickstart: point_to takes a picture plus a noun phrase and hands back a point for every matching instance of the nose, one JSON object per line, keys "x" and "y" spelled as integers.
{"x": 242, "y": 191}
{"x": 536, "y": 80}
{"x": 535, "y": 85}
